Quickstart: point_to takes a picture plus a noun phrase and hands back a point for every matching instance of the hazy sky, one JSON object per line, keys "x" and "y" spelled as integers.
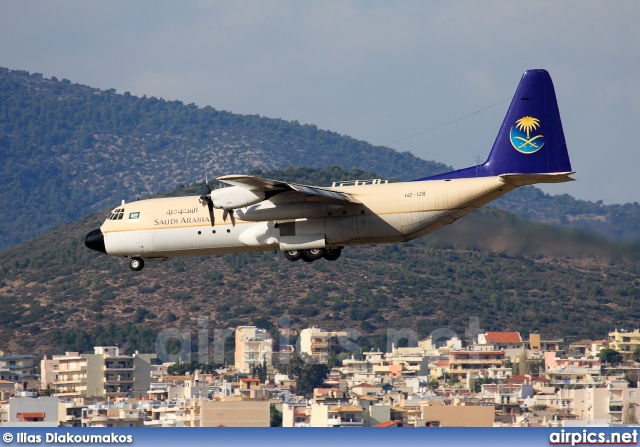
{"x": 379, "y": 71}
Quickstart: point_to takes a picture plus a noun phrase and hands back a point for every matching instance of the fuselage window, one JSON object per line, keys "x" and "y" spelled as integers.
{"x": 135, "y": 215}
{"x": 117, "y": 214}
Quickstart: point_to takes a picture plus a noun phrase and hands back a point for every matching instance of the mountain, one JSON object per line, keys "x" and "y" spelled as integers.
{"x": 512, "y": 273}
{"x": 68, "y": 150}
{"x": 619, "y": 222}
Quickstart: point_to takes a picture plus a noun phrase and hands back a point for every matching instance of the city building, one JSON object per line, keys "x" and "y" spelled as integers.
{"x": 412, "y": 359}
{"x": 106, "y": 372}
{"x": 625, "y": 342}
{"x": 124, "y": 413}
{"x": 235, "y": 412}
{"x": 537, "y": 344}
{"x": 552, "y": 361}
{"x": 18, "y": 368}
{"x": 319, "y": 344}
{"x": 372, "y": 368}
{"x": 509, "y": 342}
{"x": 323, "y": 415}
{"x": 435, "y": 414}
{"x": 7, "y": 388}
{"x": 440, "y": 346}
{"x": 465, "y": 362}
{"x": 253, "y": 347}
{"x": 438, "y": 369}
{"x": 615, "y": 403}
{"x": 173, "y": 413}
{"x": 31, "y": 411}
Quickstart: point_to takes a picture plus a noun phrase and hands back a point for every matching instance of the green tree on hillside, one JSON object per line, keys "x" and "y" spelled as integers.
{"x": 610, "y": 356}
{"x": 307, "y": 374}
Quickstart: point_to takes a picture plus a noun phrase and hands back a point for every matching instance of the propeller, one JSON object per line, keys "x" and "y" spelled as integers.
{"x": 205, "y": 199}
{"x": 229, "y": 213}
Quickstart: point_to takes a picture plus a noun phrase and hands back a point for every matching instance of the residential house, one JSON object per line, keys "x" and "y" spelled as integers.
{"x": 438, "y": 369}
{"x": 329, "y": 395}
{"x": 509, "y": 342}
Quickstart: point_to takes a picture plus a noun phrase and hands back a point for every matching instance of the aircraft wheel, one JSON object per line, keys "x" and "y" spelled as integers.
{"x": 293, "y": 255}
{"x": 312, "y": 254}
{"x": 332, "y": 254}
{"x": 136, "y": 264}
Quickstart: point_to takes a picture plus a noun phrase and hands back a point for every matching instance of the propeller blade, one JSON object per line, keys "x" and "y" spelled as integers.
{"x": 206, "y": 199}
{"x": 210, "y": 205}
{"x": 229, "y": 213}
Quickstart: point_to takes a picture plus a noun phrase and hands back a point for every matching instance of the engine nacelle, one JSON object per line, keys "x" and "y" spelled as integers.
{"x": 282, "y": 211}
{"x": 235, "y": 197}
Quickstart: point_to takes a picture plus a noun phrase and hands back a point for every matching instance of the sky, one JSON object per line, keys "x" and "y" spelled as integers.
{"x": 431, "y": 78}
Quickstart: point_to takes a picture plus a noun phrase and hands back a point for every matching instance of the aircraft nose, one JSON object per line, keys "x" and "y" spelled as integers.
{"x": 95, "y": 241}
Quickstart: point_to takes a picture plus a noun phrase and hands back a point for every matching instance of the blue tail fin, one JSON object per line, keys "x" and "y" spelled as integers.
{"x": 531, "y": 140}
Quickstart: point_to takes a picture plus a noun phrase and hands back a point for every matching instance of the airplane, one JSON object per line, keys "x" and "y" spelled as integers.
{"x": 254, "y": 214}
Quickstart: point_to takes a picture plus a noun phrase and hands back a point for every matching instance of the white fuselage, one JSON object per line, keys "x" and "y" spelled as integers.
{"x": 386, "y": 213}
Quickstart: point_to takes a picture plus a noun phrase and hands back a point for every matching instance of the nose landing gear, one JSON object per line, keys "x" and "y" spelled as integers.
{"x": 136, "y": 264}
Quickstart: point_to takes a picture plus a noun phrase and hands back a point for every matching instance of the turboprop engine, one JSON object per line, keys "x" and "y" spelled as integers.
{"x": 235, "y": 197}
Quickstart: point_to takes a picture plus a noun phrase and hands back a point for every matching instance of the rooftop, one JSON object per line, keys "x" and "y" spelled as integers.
{"x": 503, "y": 337}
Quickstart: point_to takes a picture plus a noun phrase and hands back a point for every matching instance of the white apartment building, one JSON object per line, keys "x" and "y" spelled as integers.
{"x": 106, "y": 372}
{"x": 253, "y": 347}
{"x": 320, "y": 344}
{"x": 615, "y": 402}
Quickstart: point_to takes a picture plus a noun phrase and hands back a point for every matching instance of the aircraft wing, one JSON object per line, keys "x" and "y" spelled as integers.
{"x": 276, "y": 186}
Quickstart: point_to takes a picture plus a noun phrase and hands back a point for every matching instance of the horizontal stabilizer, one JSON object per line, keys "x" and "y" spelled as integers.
{"x": 532, "y": 179}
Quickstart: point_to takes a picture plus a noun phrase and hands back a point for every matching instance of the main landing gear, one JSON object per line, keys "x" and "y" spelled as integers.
{"x": 313, "y": 254}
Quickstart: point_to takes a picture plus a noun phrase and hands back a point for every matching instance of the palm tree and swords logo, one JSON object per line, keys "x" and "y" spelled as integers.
{"x": 521, "y": 138}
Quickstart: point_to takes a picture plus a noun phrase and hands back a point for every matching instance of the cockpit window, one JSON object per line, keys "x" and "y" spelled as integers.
{"x": 117, "y": 214}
